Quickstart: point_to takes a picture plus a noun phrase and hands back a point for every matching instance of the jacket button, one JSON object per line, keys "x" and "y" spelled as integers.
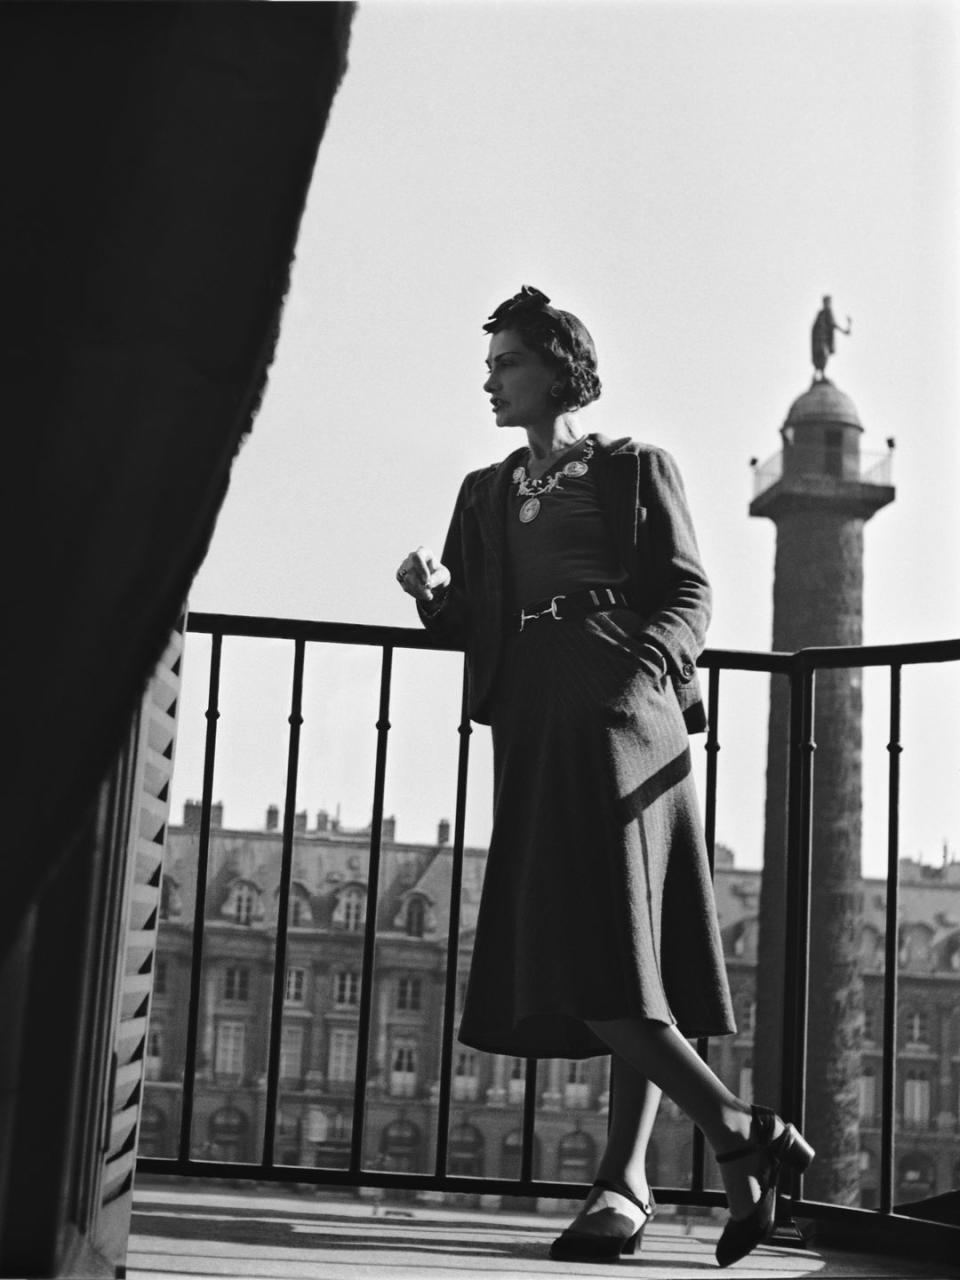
{"x": 687, "y": 671}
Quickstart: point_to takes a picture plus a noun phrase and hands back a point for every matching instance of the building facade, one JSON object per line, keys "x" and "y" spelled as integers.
{"x": 326, "y": 923}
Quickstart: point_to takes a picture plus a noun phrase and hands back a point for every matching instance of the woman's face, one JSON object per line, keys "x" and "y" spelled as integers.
{"x": 519, "y": 382}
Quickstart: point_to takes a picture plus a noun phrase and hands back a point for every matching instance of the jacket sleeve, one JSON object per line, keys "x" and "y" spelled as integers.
{"x": 449, "y": 620}
{"x": 677, "y": 583}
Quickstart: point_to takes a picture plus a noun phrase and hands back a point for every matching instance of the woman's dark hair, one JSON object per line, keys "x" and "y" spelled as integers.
{"x": 559, "y": 338}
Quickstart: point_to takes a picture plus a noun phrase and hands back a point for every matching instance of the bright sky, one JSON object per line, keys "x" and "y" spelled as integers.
{"x": 689, "y": 179}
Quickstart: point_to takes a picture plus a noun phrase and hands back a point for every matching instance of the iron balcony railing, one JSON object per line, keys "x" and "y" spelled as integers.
{"x": 861, "y": 468}
{"x": 799, "y": 668}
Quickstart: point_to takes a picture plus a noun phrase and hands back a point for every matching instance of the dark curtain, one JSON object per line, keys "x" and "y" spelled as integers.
{"x": 156, "y": 160}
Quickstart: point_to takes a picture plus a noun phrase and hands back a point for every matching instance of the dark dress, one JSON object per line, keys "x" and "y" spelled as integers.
{"x": 597, "y": 901}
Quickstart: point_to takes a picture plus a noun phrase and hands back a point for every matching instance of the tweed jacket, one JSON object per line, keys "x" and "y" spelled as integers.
{"x": 642, "y": 498}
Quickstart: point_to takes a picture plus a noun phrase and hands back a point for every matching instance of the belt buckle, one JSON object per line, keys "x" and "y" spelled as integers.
{"x": 549, "y": 612}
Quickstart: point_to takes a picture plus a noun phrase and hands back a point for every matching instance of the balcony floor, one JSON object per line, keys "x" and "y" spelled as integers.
{"x": 182, "y": 1231}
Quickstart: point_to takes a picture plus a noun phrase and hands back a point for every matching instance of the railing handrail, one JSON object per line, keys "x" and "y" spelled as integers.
{"x": 237, "y": 624}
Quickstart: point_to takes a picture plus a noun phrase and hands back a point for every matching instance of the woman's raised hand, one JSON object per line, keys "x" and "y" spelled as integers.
{"x": 422, "y": 575}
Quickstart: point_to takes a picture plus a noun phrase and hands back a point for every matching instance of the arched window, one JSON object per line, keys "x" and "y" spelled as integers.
{"x": 577, "y": 1157}
{"x": 465, "y": 1151}
{"x": 401, "y": 1146}
{"x": 153, "y": 1131}
{"x": 227, "y": 1132}
{"x": 916, "y": 1177}
{"x": 511, "y": 1154}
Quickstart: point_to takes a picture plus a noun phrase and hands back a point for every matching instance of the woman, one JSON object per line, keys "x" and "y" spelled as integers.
{"x": 571, "y": 577}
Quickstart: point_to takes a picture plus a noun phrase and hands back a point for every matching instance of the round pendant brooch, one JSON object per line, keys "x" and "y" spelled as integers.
{"x": 575, "y": 469}
{"x": 530, "y": 510}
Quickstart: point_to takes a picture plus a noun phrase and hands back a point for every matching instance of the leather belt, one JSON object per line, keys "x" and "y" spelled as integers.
{"x": 576, "y": 604}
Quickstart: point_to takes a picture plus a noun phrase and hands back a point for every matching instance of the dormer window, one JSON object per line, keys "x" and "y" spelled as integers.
{"x": 299, "y": 915}
{"x": 244, "y": 904}
{"x": 351, "y": 909}
{"x": 416, "y": 918}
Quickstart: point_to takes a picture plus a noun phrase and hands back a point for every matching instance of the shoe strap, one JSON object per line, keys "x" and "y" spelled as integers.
{"x": 726, "y": 1156}
{"x": 627, "y": 1194}
{"x": 761, "y": 1119}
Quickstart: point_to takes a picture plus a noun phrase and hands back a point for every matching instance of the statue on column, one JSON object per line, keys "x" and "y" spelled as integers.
{"x": 821, "y": 337}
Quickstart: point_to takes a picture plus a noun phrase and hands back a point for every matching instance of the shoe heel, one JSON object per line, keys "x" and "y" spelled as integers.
{"x": 632, "y": 1245}
{"x": 796, "y": 1150}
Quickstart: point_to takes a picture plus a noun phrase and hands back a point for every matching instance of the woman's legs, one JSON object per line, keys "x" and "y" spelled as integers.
{"x": 658, "y": 1052}
{"x": 633, "y": 1110}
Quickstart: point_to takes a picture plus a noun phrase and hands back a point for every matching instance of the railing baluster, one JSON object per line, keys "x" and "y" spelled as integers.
{"x": 529, "y": 1120}
{"x": 464, "y": 729}
{"x": 712, "y": 748}
{"x": 797, "y": 922}
{"x": 295, "y": 720}
{"x": 891, "y": 949}
{"x": 212, "y": 715}
{"x": 370, "y": 929}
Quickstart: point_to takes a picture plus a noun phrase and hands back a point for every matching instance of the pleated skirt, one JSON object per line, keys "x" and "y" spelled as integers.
{"x": 597, "y": 901}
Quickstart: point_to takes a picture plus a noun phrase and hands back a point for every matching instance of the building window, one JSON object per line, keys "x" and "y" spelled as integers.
{"x": 153, "y": 1066}
{"x": 916, "y": 1099}
{"x": 870, "y": 1022}
{"x": 244, "y": 901}
{"x": 409, "y": 994}
{"x": 236, "y": 983}
{"x": 296, "y": 985}
{"x": 746, "y": 1084}
{"x": 465, "y": 1151}
{"x": 342, "y": 1062}
{"x": 576, "y": 1091}
{"x": 466, "y": 1078}
{"x": 746, "y": 1010}
{"x": 577, "y": 1157}
{"x": 300, "y": 913}
{"x": 351, "y": 910}
{"x": 291, "y": 1053}
{"x": 917, "y": 1027}
{"x": 160, "y": 977}
{"x": 346, "y": 989}
{"x": 231, "y": 1043}
{"x": 868, "y": 1094}
{"x": 416, "y": 918}
{"x": 517, "y": 1083}
{"x": 403, "y": 1072}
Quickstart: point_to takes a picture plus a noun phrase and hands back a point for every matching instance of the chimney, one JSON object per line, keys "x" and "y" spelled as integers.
{"x": 216, "y": 814}
{"x": 300, "y": 821}
{"x": 443, "y": 832}
{"x": 323, "y": 822}
{"x": 273, "y": 817}
{"x": 388, "y": 831}
{"x": 191, "y": 815}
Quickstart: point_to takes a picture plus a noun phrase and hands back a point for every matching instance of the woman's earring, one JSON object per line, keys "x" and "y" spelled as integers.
{"x": 556, "y": 391}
